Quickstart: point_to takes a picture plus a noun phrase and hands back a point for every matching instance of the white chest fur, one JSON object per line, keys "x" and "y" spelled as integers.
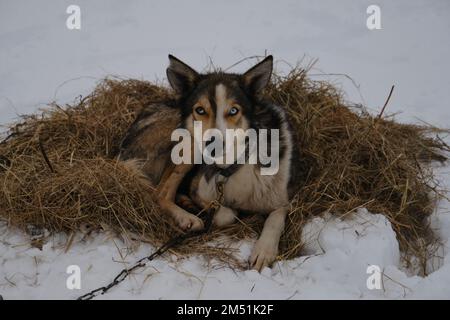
{"x": 248, "y": 190}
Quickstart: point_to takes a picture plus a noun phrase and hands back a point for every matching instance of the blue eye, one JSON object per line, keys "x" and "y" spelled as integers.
{"x": 233, "y": 111}
{"x": 200, "y": 110}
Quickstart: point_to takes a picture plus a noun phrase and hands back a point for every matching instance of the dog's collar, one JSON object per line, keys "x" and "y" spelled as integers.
{"x": 228, "y": 171}
{"x": 221, "y": 173}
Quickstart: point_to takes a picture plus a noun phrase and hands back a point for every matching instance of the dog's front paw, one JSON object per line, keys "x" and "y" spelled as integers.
{"x": 263, "y": 254}
{"x": 189, "y": 222}
{"x": 224, "y": 216}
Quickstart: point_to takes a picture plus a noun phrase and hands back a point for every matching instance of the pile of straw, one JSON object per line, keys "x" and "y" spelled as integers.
{"x": 58, "y": 169}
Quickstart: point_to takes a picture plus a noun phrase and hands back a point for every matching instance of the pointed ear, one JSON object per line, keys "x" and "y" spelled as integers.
{"x": 181, "y": 77}
{"x": 257, "y": 77}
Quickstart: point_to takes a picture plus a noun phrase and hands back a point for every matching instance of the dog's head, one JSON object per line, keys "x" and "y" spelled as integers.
{"x": 218, "y": 100}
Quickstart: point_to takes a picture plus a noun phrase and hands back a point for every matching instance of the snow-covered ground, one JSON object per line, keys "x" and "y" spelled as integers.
{"x": 41, "y": 60}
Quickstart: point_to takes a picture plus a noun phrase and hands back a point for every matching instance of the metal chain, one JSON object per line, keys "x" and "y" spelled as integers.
{"x": 139, "y": 264}
{"x": 171, "y": 243}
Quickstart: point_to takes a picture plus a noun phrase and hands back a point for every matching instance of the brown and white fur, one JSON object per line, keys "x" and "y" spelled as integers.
{"x": 222, "y": 101}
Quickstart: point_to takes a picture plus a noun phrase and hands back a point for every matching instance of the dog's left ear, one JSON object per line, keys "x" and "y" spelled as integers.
{"x": 257, "y": 77}
{"x": 182, "y": 78}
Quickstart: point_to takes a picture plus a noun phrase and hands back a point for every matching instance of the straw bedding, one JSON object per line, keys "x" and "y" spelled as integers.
{"x": 58, "y": 169}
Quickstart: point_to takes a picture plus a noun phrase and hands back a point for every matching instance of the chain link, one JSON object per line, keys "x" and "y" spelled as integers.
{"x": 171, "y": 243}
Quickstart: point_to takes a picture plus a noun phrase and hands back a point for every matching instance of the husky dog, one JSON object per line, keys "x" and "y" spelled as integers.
{"x": 220, "y": 101}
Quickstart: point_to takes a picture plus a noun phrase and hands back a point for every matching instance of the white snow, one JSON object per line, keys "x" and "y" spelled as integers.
{"x": 41, "y": 60}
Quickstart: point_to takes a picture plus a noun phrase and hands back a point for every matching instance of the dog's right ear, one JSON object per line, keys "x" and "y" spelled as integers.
{"x": 182, "y": 78}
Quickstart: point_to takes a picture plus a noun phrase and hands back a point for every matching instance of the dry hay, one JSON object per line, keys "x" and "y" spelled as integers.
{"x": 58, "y": 169}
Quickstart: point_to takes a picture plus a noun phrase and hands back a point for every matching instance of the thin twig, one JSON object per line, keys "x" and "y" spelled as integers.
{"x": 242, "y": 60}
{"x": 44, "y": 154}
{"x": 385, "y": 104}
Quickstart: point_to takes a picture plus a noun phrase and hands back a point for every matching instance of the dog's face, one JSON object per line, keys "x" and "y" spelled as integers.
{"x": 218, "y": 100}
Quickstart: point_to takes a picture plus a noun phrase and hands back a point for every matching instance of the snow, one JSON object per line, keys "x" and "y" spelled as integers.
{"x": 41, "y": 60}
{"x": 339, "y": 253}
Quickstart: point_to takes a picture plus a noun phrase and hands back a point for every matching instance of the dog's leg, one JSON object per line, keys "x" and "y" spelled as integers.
{"x": 224, "y": 216}
{"x": 166, "y": 200}
{"x": 266, "y": 248}
{"x": 186, "y": 203}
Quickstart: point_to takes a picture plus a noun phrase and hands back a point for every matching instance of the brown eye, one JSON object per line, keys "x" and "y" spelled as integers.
{"x": 233, "y": 111}
{"x": 200, "y": 110}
